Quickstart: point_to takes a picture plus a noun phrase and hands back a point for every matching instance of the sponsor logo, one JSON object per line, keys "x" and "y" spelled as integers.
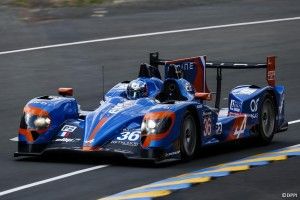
{"x": 89, "y": 141}
{"x": 39, "y": 102}
{"x": 68, "y": 128}
{"x": 254, "y": 105}
{"x": 245, "y": 91}
{"x": 120, "y": 106}
{"x": 65, "y": 134}
{"x": 253, "y": 116}
{"x": 241, "y": 127}
{"x": 235, "y": 106}
{"x": 271, "y": 75}
{"x": 199, "y": 106}
{"x": 125, "y": 143}
{"x": 67, "y": 140}
{"x": 172, "y": 153}
{"x": 207, "y": 123}
{"x": 188, "y": 87}
{"x": 186, "y": 66}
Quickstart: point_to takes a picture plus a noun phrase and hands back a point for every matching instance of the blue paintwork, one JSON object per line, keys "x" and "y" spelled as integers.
{"x": 121, "y": 116}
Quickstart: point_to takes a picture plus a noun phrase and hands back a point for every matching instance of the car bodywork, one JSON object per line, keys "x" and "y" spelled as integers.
{"x": 149, "y": 128}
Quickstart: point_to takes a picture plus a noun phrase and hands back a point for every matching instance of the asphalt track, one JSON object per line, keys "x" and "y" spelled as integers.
{"x": 33, "y": 73}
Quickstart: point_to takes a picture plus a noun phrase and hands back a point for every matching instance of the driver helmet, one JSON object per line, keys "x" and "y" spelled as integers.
{"x": 137, "y": 89}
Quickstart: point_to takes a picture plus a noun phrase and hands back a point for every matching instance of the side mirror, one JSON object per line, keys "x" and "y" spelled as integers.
{"x": 203, "y": 96}
{"x": 65, "y": 91}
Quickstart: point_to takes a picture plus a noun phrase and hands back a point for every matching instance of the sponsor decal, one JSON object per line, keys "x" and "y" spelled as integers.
{"x": 121, "y": 106}
{"x": 207, "y": 122}
{"x": 235, "y": 106}
{"x": 67, "y": 140}
{"x": 189, "y": 87}
{"x": 125, "y": 143}
{"x": 172, "y": 153}
{"x": 200, "y": 106}
{"x": 240, "y": 127}
{"x": 89, "y": 141}
{"x": 130, "y": 135}
{"x": 39, "y": 102}
{"x": 281, "y": 104}
{"x": 245, "y": 91}
{"x": 271, "y": 75}
{"x": 186, "y": 66}
{"x": 65, "y": 134}
{"x": 254, "y": 105}
{"x": 68, "y": 128}
{"x": 219, "y": 128}
{"x": 253, "y": 115}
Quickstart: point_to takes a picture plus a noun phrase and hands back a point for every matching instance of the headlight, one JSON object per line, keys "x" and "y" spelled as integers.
{"x": 35, "y": 122}
{"x": 151, "y": 124}
{"x": 42, "y": 123}
{"x": 157, "y": 124}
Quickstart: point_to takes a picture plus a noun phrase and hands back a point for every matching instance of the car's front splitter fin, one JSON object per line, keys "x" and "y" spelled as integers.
{"x": 156, "y": 155}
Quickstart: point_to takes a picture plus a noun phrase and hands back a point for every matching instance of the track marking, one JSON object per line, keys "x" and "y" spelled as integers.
{"x": 15, "y": 139}
{"x": 150, "y": 34}
{"x": 167, "y": 186}
{"x": 51, "y": 179}
{"x": 294, "y": 122}
{"x": 215, "y": 172}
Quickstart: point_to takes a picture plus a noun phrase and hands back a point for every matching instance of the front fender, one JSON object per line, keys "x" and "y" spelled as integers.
{"x": 57, "y": 109}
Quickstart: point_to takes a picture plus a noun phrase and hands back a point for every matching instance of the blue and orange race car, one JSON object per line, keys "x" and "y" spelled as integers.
{"x": 154, "y": 118}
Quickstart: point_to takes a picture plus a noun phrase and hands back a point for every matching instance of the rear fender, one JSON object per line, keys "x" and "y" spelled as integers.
{"x": 248, "y": 99}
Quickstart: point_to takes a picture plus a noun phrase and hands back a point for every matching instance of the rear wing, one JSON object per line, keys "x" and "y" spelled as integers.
{"x": 201, "y": 64}
{"x": 269, "y": 66}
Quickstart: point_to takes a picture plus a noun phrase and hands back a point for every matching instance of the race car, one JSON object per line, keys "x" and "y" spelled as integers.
{"x": 155, "y": 118}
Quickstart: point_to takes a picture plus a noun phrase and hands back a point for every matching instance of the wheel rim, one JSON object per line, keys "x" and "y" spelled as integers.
{"x": 268, "y": 119}
{"x": 189, "y": 136}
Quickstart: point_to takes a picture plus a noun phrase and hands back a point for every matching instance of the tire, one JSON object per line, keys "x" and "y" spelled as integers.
{"x": 267, "y": 120}
{"x": 188, "y": 137}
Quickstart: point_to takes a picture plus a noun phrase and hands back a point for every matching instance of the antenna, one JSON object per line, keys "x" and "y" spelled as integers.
{"x": 102, "y": 82}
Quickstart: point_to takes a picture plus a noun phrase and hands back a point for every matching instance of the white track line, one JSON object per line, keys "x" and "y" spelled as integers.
{"x": 68, "y": 175}
{"x": 150, "y": 34}
{"x": 15, "y": 139}
{"x": 51, "y": 179}
{"x": 294, "y": 122}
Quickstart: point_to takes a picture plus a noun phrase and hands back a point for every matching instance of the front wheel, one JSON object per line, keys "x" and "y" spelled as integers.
{"x": 188, "y": 137}
{"x": 267, "y": 118}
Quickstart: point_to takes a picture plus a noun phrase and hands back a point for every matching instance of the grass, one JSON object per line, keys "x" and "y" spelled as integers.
{"x": 55, "y": 3}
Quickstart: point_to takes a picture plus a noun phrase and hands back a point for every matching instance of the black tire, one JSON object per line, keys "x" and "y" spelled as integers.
{"x": 188, "y": 137}
{"x": 267, "y": 121}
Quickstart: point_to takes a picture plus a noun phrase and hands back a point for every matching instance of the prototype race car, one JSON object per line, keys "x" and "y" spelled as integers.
{"x": 151, "y": 118}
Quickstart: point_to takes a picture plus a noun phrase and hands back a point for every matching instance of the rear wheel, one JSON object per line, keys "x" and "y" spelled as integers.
{"x": 267, "y": 118}
{"x": 188, "y": 137}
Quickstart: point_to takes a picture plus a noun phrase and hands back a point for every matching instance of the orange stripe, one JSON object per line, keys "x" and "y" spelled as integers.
{"x": 87, "y": 148}
{"x": 35, "y": 111}
{"x": 27, "y": 134}
{"x": 97, "y": 128}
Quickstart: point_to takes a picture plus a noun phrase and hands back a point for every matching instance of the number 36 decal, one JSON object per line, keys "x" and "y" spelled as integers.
{"x": 131, "y": 136}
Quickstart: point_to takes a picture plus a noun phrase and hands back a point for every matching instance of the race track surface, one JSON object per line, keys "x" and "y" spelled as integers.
{"x": 27, "y": 74}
